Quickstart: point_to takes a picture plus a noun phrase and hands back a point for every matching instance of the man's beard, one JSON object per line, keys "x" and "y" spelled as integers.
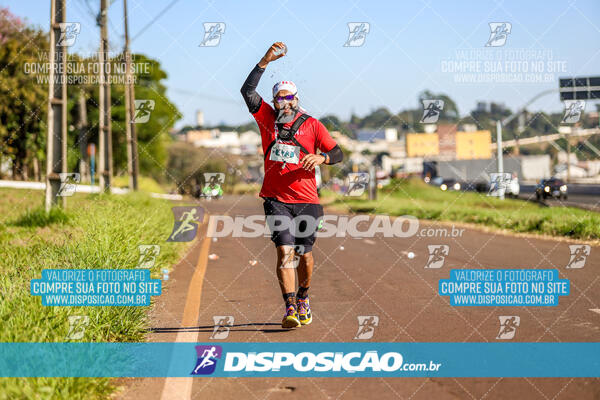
{"x": 284, "y": 118}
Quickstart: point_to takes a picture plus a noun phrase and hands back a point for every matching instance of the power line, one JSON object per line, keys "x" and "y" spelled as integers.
{"x": 154, "y": 19}
{"x": 95, "y": 15}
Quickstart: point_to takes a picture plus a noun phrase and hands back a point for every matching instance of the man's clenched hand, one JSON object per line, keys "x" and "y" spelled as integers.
{"x": 270, "y": 54}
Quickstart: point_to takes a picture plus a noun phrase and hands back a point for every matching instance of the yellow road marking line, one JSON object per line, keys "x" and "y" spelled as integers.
{"x": 177, "y": 388}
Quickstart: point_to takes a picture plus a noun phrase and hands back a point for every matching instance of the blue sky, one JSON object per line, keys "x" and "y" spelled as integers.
{"x": 403, "y": 54}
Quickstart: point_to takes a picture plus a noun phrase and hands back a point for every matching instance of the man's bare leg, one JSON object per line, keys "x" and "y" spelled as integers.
{"x": 285, "y": 269}
{"x": 305, "y": 269}
{"x": 287, "y": 282}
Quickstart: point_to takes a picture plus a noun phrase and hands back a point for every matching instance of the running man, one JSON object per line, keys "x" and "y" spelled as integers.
{"x": 290, "y": 140}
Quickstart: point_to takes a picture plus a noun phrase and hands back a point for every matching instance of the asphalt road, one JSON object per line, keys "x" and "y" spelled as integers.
{"x": 356, "y": 277}
{"x": 580, "y": 197}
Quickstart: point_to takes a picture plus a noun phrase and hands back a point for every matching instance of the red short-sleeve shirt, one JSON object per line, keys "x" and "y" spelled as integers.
{"x": 292, "y": 183}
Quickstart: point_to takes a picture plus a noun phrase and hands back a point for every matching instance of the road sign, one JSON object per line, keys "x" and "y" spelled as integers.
{"x": 581, "y": 88}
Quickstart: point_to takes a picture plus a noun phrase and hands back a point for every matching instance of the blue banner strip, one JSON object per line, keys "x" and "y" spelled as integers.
{"x": 366, "y": 359}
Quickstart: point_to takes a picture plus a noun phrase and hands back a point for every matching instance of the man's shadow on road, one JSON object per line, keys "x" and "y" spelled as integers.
{"x": 232, "y": 328}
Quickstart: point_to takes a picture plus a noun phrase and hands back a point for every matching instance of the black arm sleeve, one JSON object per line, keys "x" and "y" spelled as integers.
{"x": 335, "y": 155}
{"x": 251, "y": 97}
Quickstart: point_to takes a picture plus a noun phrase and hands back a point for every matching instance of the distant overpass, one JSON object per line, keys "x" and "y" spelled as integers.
{"x": 546, "y": 138}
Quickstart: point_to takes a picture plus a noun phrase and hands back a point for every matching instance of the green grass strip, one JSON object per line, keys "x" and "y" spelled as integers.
{"x": 94, "y": 231}
{"x": 414, "y": 197}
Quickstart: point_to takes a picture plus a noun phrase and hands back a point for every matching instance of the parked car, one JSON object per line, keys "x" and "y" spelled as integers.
{"x": 478, "y": 186}
{"x": 552, "y": 187}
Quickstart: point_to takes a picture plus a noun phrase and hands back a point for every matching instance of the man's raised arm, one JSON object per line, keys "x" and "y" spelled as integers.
{"x": 251, "y": 97}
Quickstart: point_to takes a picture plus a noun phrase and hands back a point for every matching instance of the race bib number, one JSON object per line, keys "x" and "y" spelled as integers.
{"x": 285, "y": 153}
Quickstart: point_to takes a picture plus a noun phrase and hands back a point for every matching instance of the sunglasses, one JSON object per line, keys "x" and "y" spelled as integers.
{"x": 281, "y": 99}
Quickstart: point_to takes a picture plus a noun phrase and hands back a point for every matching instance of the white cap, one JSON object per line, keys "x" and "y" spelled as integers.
{"x": 285, "y": 85}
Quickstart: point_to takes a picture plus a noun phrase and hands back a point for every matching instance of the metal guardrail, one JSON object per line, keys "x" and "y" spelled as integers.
{"x": 81, "y": 189}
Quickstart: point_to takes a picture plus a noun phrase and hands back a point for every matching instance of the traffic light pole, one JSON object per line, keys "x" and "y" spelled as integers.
{"x": 56, "y": 146}
{"x": 578, "y": 88}
{"x": 508, "y": 119}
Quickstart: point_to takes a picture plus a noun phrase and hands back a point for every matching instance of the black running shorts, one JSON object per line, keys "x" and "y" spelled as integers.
{"x": 293, "y": 224}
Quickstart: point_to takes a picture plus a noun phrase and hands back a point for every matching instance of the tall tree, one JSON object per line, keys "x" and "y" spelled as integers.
{"x": 153, "y": 135}
{"x": 23, "y": 99}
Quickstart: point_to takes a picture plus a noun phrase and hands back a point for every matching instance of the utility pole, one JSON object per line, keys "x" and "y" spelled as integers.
{"x": 56, "y": 146}
{"x": 500, "y": 158}
{"x": 132, "y": 154}
{"x": 82, "y": 125}
{"x": 372, "y": 183}
{"x": 105, "y": 167}
{"x": 521, "y": 119}
{"x": 568, "y": 137}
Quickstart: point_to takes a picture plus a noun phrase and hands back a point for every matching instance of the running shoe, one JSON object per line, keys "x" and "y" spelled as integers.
{"x": 290, "y": 319}
{"x": 304, "y": 313}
